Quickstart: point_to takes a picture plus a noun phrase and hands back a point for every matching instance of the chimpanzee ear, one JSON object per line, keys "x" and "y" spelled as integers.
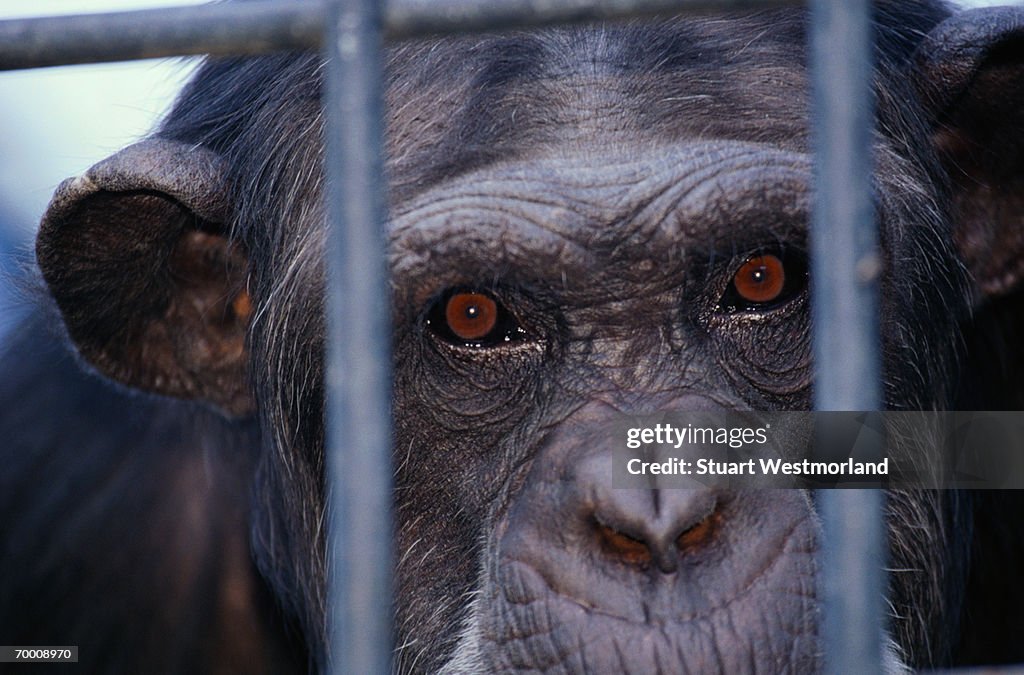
{"x": 152, "y": 291}
{"x": 970, "y": 75}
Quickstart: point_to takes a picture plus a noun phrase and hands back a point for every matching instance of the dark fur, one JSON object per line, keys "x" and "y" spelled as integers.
{"x": 456, "y": 107}
{"x": 131, "y": 542}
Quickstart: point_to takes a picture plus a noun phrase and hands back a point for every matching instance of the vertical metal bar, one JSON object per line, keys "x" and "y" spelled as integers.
{"x": 845, "y": 266}
{"x": 359, "y": 349}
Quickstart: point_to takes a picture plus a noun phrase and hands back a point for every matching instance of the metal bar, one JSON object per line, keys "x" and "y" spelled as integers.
{"x": 845, "y": 268}
{"x": 413, "y": 18}
{"x": 359, "y": 345}
{"x": 261, "y": 26}
{"x": 253, "y": 27}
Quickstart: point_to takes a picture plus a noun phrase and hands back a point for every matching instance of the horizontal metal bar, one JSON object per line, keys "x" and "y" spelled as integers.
{"x": 262, "y": 26}
{"x": 221, "y": 29}
{"x": 415, "y": 18}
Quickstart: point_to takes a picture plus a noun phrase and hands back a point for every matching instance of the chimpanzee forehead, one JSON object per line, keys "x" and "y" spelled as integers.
{"x": 455, "y": 105}
{"x": 575, "y": 222}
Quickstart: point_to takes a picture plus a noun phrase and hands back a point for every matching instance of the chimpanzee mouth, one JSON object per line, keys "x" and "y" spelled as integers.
{"x": 559, "y": 634}
{"x": 733, "y": 605}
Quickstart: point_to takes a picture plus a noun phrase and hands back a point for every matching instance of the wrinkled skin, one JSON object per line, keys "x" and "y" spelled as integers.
{"x": 603, "y": 185}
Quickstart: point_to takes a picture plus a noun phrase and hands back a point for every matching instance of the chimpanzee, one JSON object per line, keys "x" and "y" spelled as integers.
{"x": 585, "y": 221}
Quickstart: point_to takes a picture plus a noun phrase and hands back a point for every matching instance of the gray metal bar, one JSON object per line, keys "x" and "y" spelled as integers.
{"x": 261, "y": 26}
{"x": 845, "y": 267}
{"x": 412, "y": 18}
{"x": 359, "y": 345}
{"x": 222, "y": 29}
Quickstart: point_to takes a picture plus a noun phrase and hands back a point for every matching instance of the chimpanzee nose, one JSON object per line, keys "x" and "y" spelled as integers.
{"x": 643, "y": 527}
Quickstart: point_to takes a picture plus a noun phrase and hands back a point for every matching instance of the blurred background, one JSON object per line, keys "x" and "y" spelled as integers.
{"x": 57, "y": 122}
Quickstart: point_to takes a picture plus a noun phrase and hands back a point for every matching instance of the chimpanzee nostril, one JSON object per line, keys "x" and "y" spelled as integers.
{"x": 699, "y": 534}
{"x": 623, "y": 546}
{"x": 645, "y": 527}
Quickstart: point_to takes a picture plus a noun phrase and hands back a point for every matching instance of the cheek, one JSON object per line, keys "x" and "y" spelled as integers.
{"x": 453, "y": 424}
{"x": 471, "y": 393}
{"x": 451, "y": 439}
{"x": 772, "y": 358}
{"x": 438, "y": 561}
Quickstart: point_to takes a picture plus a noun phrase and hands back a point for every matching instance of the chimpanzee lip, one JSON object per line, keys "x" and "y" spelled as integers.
{"x": 551, "y": 591}
{"x": 600, "y": 637}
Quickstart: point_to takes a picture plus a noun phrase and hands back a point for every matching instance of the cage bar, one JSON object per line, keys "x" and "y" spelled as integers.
{"x": 845, "y": 269}
{"x": 359, "y": 345}
{"x": 262, "y": 26}
{"x": 237, "y": 28}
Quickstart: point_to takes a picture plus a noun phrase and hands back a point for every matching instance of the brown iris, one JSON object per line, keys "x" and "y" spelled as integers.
{"x": 471, "y": 316}
{"x": 761, "y": 279}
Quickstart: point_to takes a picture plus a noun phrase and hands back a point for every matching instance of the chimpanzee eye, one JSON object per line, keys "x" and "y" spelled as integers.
{"x": 765, "y": 281}
{"x": 471, "y": 316}
{"x": 760, "y": 279}
{"x": 474, "y": 319}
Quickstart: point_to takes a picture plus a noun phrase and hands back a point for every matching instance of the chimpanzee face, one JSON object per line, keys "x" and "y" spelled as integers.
{"x": 585, "y": 222}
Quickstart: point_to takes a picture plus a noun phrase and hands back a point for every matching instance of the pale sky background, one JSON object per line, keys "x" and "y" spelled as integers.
{"x": 59, "y": 121}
